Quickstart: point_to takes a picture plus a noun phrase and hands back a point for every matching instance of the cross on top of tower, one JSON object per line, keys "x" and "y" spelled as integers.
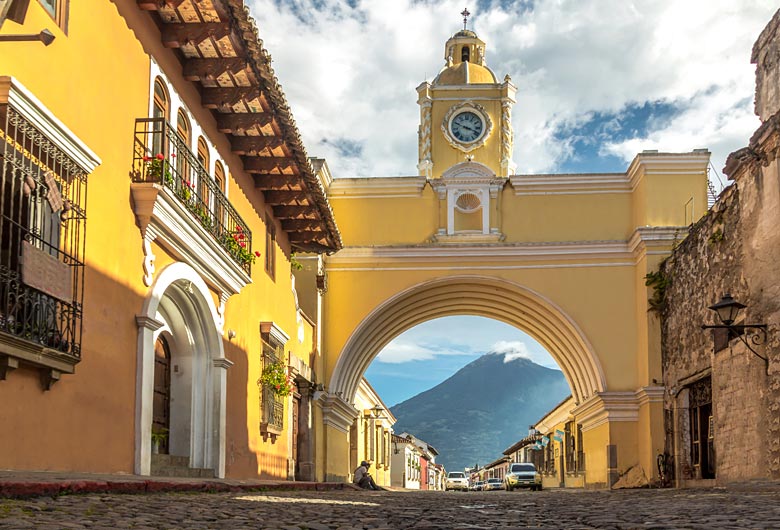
{"x": 465, "y": 13}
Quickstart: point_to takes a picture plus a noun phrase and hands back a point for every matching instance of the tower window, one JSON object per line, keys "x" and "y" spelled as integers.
{"x": 465, "y": 53}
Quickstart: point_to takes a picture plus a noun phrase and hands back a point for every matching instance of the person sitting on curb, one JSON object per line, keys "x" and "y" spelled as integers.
{"x": 363, "y": 478}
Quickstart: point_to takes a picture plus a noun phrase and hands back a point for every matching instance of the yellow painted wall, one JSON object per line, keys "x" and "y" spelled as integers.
{"x": 96, "y": 80}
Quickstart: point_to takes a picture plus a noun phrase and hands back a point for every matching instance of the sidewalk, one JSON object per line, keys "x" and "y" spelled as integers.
{"x": 23, "y": 484}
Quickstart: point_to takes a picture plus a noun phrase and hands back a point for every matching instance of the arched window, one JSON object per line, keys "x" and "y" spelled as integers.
{"x": 203, "y": 175}
{"x": 465, "y": 54}
{"x": 160, "y": 110}
{"x": 183, "y": 132}
{"x": 219, "y": 178}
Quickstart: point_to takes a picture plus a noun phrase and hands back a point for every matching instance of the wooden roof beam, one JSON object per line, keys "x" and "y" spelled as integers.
{"x": 286, "y": 197}
{"x": 276, "y": 182}
{"x": 296, "y": 225}
{"x": 174, "y": 35}
{"x": 295, "y": 212}
{"x": 199, "y": 69}
{"x": 242, "y": 121}
{"x": 215, "y": 98}
{"x": 154, "y": 5}
{"x": 265, "y": 164}
{"x": 249, "y": 145}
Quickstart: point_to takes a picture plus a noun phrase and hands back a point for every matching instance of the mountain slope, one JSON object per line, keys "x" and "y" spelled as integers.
{"x": 482, "y": 409}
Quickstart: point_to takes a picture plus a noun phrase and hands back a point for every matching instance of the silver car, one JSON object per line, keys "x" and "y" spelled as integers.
{"x": 492, "y": 484}
{"x": 456, "y": 480}
{"x": 522, "y": 475}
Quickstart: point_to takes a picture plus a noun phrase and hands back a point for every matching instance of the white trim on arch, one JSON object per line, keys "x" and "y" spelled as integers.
{"x": 181, "y": 285}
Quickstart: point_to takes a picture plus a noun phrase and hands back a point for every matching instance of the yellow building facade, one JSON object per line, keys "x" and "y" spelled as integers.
{"x": 561, "y": 257}
{"x": 155, "y": 326}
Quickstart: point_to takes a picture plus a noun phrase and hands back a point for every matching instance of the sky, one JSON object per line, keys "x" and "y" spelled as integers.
{"x": 598, "y": 81}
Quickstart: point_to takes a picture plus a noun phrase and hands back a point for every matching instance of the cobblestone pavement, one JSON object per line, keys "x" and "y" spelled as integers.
{"x": 348, "y": 510}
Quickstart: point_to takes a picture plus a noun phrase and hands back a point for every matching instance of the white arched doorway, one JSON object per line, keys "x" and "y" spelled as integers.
{"x": 180, "y": 312}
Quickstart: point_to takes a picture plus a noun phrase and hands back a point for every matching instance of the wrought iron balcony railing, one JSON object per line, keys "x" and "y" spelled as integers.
{"x": 162, "y": 157}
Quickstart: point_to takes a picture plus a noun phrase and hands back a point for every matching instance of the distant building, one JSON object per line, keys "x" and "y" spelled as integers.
{"x": 371, "y": 436}
{"x": 405, "y": 463}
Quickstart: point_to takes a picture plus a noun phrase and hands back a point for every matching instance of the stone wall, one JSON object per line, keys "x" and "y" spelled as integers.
{"x": 734, "y": 249}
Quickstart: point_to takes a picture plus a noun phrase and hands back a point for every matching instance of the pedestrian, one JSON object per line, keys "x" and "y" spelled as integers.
{"x": 363, "y": 478}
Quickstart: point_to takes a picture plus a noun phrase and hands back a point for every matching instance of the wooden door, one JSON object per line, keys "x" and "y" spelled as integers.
{"x": 296, "y": 409}
{"x": 161, "y": 408}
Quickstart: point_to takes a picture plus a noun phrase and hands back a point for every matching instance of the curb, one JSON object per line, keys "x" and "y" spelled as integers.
{"x": 28, "y": 489}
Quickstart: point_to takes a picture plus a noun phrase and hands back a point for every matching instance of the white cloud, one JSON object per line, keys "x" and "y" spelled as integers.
{"x": 349, "y": 73}
{"x": 399, "y": 351}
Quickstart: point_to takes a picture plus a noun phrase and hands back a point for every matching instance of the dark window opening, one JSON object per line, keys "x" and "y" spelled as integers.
{"x": 465, "y": 54}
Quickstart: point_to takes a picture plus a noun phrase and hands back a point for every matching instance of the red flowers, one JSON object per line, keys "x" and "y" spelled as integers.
{"x": 160, "y": 156}
{"x": 147, "y": 158}
{"x": 257, "y": 253}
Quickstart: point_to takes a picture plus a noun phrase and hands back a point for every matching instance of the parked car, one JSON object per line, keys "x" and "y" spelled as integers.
{"x": 492, "y": 484}
{"x": 522, "y": 475}
{"x": 477, "y": 486}
{"x": 456, "y": 480}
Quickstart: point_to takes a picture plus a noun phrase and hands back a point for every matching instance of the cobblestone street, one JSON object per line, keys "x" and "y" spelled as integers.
{"x": 754, "y": 507}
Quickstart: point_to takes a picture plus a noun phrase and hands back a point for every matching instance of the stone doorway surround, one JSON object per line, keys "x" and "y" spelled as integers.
{"x": 180, "y": 306}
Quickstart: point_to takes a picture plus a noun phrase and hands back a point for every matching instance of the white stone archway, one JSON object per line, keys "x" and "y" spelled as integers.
{"x": 480, "y": 296}
{"x": 180, "y": 306}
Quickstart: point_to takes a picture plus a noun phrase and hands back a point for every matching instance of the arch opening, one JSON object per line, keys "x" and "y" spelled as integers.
{"x": 493, "y": 298}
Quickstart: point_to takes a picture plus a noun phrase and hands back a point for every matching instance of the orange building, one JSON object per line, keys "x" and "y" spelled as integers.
{"x": 155, "y": 188}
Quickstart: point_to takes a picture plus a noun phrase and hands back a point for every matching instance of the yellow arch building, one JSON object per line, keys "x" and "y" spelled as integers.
{"x": 561, "y": 257}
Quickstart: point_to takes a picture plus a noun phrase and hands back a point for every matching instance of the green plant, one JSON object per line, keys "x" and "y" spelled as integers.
{"x": 159, "y": 436}
{"x": 205, "y": 217}
{"x": 294, "y": 263}
{"x": 275, "y": 378}
{"x": 158, "y": 169}
{"x": 659, "y": 282}
{"x": 716, "y": 237}
{"x": 235, "y": 244}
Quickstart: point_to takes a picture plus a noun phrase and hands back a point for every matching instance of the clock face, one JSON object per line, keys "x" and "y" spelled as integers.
{"x": 467, "y": 127}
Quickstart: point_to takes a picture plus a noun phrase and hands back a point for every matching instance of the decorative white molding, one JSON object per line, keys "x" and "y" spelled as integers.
{"x": 222, "y": 362}
{"x": 148, "y": 264}
{"x": 337, "y": 413}
{"x": 276, "y": 333}
{"x": 25, "y": 103}
{"x": 606, "y": 407}
{"x": 650, "y": 394}
{"x": 161, "y": 216}
{"x": 377, "y": 187}
{"x": 146, "y": 322}
{"x": 570, "y": 184}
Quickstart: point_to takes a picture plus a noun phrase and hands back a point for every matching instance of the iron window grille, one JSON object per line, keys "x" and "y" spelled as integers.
{"x": 271, "y": 404}
{"x": 42, "y": 244}
{"x": 161, "y": 156}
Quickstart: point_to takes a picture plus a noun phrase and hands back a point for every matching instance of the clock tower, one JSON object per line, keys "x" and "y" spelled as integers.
{"x": 465, "y": 113}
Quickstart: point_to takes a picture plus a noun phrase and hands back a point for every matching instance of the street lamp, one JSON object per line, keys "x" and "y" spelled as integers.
{"x": 727, "y": 309}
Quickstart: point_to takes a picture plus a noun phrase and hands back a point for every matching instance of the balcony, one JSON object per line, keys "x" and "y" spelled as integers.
{"x": 161, "y": 158}
{"x": 181, "y": 207}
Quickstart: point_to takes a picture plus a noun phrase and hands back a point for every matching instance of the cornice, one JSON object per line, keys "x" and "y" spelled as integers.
{"x": 276, "y": 333}
{"x": 15, "y": 94}
{"x": 337, "y": 413}
{"x": 376, "y": 187}
{"x": 559, "y": 414}
{"x": 607, "y": 407}
{"x": 655, "y": 240}
{"x": 570, "y": 184}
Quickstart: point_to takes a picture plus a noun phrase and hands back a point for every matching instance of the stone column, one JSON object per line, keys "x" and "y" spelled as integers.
{"x": 306, "y": 470}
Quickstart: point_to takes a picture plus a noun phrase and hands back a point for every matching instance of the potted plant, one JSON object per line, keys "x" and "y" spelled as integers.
{"x": 159, "y": 437}
{"x": 275, "y": 378}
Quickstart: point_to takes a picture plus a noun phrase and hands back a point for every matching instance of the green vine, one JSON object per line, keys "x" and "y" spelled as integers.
{"x": 659, "y": 282}
{"x": 294, "y": 263}
{"x": 716, "y": 237}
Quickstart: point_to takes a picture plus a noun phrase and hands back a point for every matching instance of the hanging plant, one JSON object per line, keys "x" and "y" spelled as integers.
{"x": 275, "y": 378}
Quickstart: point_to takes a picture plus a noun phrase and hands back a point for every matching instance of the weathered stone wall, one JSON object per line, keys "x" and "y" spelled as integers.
{"x": 734, "y": 249}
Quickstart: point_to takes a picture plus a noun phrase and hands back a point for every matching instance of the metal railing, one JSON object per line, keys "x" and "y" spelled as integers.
{"x": 42, "y": 244}
{"x": 162, "y": 157}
